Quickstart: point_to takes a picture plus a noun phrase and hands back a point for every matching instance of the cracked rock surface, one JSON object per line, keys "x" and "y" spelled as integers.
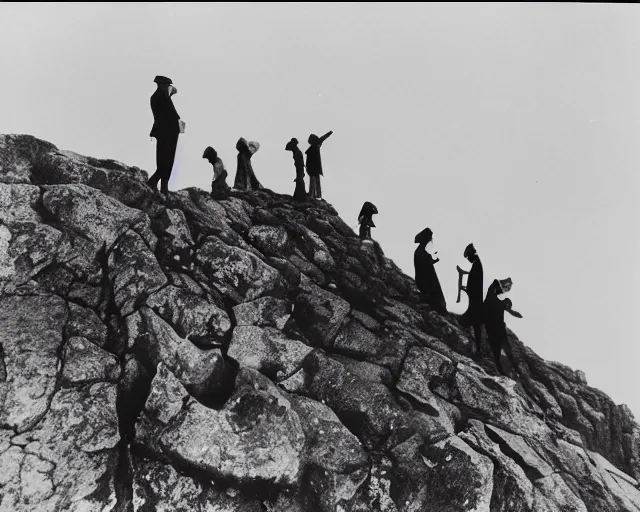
{"x": 181, "y": 353}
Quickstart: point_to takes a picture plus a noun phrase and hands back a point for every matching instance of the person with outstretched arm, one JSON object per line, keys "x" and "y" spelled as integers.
{"x": 314, "y": 164}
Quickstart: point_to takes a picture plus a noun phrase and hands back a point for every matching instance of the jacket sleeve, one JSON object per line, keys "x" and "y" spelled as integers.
{"x": 325, "y": 137}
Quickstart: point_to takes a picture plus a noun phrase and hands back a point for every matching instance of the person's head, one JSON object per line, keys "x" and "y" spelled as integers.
{"x": 313, "y": 139}
{"x": 470, "y": 253}
{"x": 424, "y": 237}
{"x": 368, "y": 208}
{"x": 241, "y": 145}
{"x": 210, "y": 154}
{"x": 291, "y": 145}
{"x": 164, "y": 84}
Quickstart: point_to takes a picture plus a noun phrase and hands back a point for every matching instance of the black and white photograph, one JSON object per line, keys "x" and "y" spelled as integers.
{"x": 319, "y": 257}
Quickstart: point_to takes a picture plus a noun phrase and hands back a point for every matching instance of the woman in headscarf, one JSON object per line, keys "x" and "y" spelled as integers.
{"x": 314, "y": 164}
{"x": 219, "y": 187}
{"x": 245, "y": 177}
{"x": 366, "y": 221}
{"x": 426, "y": 277}
{"x": 300, "y": 194}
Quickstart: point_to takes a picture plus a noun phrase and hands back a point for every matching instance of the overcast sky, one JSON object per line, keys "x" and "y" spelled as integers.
{"x": 512, "y": 126}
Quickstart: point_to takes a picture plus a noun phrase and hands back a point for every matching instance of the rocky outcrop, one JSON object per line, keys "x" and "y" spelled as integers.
{"x": 253, "y": 354}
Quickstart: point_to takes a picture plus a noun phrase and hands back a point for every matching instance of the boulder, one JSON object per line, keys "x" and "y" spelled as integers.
{"x": 270, "y": 240}
{"x": 263, "y": 312}
{"x": 85, "y": 362}
{"x": 238, "y": 274}
{"x": 31, "y": 329}
{"x": 101, "y": 218}
{"x": 69, "y": 459}
{"x": 422, "y": 370}
{"x": 158, "y": 486}
{"x": 134, "y": 271}
{"x": 192, "y": 316}
{"x": 166, "y": 397}
{"x": 320, "y": 314}
{"x": 154, "y": 341}
{"x": 336, "y": 462}
{"x": 268, "y": 351}
{"x": 255, "y": 439}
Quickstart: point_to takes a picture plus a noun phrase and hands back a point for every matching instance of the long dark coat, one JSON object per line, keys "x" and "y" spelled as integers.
{"x": 300, "y": 193}
{"x": 427, "y": 280}
{"x": 494, "y": 317}
{"x": 314, "y": 161}
{"x": 245, "y": 177}
{"x": 165, "y": 116}
{"x": 474, "y": 313}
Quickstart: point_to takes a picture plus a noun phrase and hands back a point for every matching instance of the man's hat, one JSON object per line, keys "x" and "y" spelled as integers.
{"x": 162, "y": 80}
{"x": 469, "y": 250}
{"x": 426, "y": 235}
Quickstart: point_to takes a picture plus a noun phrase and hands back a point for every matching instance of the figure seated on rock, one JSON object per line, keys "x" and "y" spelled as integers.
{"x": 245, "y": 177}
{"x": 494, "y": 309}
{"x": 219, "y": 187}
{"x": 365, "y": 219}
{"x": 426, "y": 278}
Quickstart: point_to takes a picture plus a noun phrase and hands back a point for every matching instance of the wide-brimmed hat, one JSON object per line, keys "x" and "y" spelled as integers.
{"x": 426, "y": 235}
{"x": 163, "y": 80}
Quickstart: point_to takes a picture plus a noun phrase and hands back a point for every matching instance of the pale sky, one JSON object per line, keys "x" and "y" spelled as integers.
{"x": 512, "y": 126}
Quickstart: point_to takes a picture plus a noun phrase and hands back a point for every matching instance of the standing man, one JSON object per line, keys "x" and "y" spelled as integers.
{"x": 474, "y": 289}
{"x": 166, "y": 128}
{"x": 314, "y": 164}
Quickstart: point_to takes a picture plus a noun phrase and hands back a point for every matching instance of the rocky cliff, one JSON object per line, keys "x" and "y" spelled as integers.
{"x": 252, "y": 354}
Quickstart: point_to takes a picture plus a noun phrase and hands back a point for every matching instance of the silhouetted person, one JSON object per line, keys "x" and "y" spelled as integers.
{"x": 245, "y": 177}
{"x": 166, "y": 128}
{"x": 314, "y": 164}
{"x": 494, "y": 309}
{"x": 474, "y": 289}
{"x": 426, "y": 278}
{"x": 365, "y": 219}
{"x": 300, "y": 193}
{"x": 219, "y": 187}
